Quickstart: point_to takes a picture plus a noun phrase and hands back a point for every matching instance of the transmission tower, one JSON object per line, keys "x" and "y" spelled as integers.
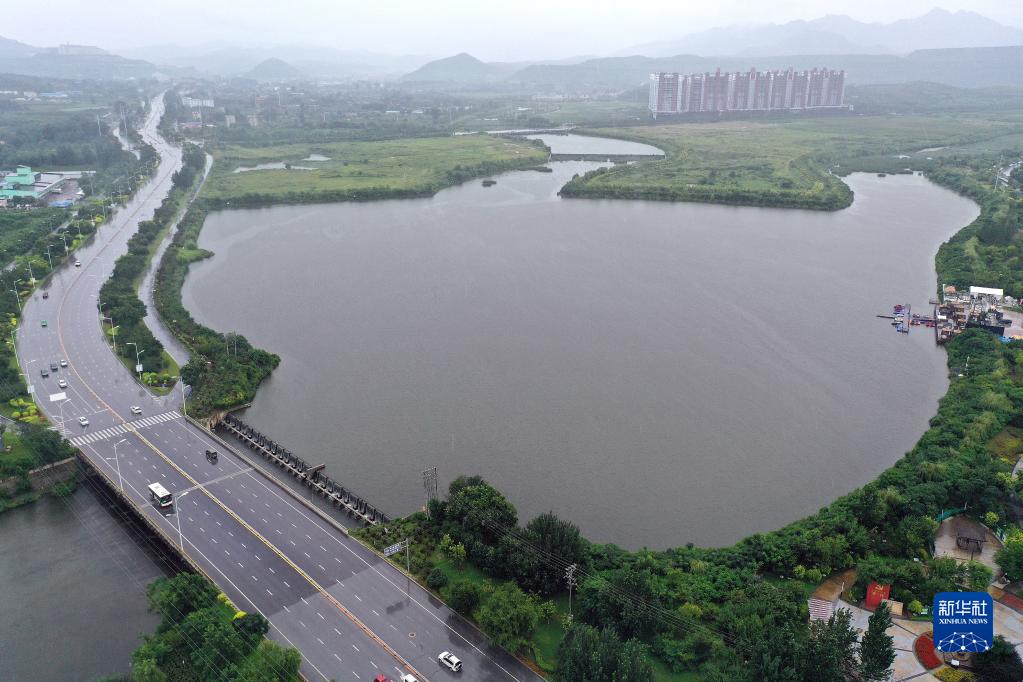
{"x": 430, "y": 486}
{"x": 570, "y": 580}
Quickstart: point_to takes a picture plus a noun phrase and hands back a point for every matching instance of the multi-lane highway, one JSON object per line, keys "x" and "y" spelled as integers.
{"x": 352, "y": 615}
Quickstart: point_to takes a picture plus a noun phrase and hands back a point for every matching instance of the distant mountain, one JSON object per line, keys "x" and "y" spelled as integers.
{"x": 68, "y": 61}
{"x": 13, "y": 48}
{"x": 461, "y": 68}
{"x": 87, "y": 66}
{"x": 274, "y": 69}
{"x": 315, "y": 61}
{"x": 836, "y": 34}
{"x": 960, "y": 67}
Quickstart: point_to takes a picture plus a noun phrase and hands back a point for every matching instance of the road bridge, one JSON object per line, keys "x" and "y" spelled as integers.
{"x": 351, "y": 614}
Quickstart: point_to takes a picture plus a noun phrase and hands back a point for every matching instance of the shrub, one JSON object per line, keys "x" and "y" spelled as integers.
{"x": 953, "y": 675}
{"x": 465, "y": 597}
{"x": 437, "y": 579}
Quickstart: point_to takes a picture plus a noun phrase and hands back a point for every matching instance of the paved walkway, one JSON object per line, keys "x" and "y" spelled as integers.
{"x": 945, "y": 541}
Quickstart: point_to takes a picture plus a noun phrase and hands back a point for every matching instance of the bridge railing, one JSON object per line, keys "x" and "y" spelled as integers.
{"x": 333, "y": 491}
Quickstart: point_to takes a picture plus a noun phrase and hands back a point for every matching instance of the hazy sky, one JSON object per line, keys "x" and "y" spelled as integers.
{"x": 489, "y": 29}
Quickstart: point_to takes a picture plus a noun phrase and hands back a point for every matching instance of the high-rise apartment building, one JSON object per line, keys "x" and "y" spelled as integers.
{"x": 674, "y": 93}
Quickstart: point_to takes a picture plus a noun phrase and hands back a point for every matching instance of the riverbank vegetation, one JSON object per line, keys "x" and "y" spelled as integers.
{"x": 987, "y": 252}
{"x": 789, "y": 163}
{"x": 359, "y": 170}
{"x": 222, "y": 371}
{"x": 202, "y": 636}
{"x": 119, "y": 300}
{"x": 27, "y": 447}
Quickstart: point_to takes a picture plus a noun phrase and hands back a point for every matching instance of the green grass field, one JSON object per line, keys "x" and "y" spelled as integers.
{"x": 362, "y": 170}
{"x": 782, "y": 162}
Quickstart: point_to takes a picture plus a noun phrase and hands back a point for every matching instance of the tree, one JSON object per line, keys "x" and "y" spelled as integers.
{"x": 453, "y": 550}
{"x": 270, "y": 662}
{"x": 877, "y": 652}
{"x": 252, "y": 627}
{"x": 1000, "y": 663}
{"x": 45, "y": 445}
{"x": 1010, "y": 557}
{"x": 830, "y": 651}
{"x": 977, "y": 576}
{"x": 465, "y": 597}
{"x": 509, "y": 616}
{"x": 216, "y": 644}
{"x": 620, "y": 600}
{"x": 633, "y": 664}
{"x": 146, "y": 670}
{"x": 548, "y": 536}
{"x": 600, "y": 656}
{"x": 175, "y": 598}
{"x": 482, "y": 513}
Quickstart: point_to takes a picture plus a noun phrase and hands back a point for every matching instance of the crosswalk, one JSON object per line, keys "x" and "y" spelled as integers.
{"x": 104, "y": 434}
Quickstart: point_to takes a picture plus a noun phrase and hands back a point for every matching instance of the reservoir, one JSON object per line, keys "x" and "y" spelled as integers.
{"x": 72, "y": 590}
{"x": 659, "y": 373}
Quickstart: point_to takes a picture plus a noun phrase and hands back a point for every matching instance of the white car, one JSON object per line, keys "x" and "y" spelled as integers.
{"x": 409, "y": 678}
{"x": 78, "y": 263}
{"x": 62, "y": 383}
{"x": 83, "y": 421}
{"x": 135, "y": 409}
{"x": 63, "y": 363}
{"x": 450, "y": 660}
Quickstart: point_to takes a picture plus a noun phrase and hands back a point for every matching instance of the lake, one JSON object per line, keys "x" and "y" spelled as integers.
{"x": 659, "y": 373}
{"x": 72, "y": 590}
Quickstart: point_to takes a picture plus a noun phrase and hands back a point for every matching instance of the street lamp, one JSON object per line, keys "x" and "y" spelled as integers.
{"x": 117, "y": 462}
{"x": 64, "y": 237}
{"x": 63, "y": 426}
{"x": 113, "y": 332}
{"x": 177, "y": 519}
{"x": 17, "y": 298}
{"x": 31, "y": 277}
{"x": 48, "y": 256}
{"x": 184, "y": 401}
{"x": 138, "y": 358}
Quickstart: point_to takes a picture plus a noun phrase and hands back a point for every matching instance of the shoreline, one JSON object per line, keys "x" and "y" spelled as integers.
{"x": 883, "y": 466}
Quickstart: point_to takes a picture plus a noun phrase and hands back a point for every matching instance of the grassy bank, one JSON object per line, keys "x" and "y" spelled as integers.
{"x": 777, "y": 163}
{"x": 360, "y": 170}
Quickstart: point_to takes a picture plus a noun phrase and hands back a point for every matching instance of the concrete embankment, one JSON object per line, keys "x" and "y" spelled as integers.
{"x": 42, "y": 478}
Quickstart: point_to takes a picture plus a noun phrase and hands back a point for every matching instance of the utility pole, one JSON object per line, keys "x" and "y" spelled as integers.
{"x": 570, "y": 580}
{"x": 430, "y": 486}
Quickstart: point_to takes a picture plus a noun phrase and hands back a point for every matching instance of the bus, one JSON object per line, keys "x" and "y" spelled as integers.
{"x": 160, "y": 495}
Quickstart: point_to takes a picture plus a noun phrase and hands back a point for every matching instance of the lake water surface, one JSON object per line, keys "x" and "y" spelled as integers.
{"x": 72, "y": 591}
{"x": 659, "y": 373}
